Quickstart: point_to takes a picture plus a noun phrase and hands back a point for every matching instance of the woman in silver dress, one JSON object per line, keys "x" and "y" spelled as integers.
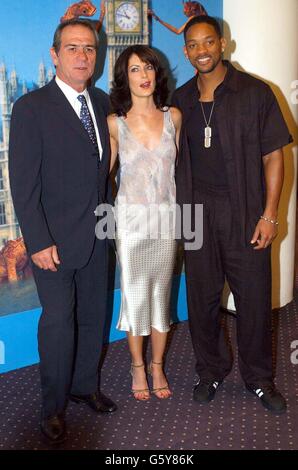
{"x": 144, "y": 133}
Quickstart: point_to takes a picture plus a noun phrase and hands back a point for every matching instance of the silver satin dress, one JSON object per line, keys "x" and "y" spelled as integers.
{"x": 145, "y": 224}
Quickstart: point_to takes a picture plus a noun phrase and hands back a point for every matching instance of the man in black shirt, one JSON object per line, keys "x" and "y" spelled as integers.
{"x": 231, "y": 161}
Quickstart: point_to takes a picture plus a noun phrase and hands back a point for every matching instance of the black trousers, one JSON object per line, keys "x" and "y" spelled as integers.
{"x": 248, "y": 273}
{"x": 70, "y": 329}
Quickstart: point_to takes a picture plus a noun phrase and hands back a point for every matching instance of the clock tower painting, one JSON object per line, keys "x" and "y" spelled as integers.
{"x": 126, "y": 24}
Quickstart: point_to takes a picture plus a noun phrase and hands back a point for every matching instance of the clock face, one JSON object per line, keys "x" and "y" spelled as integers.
{"x": 127, "y": 16}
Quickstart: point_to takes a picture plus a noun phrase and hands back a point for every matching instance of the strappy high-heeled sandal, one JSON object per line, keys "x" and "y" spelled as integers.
{"x": 159, "y": 389}
{"x": 136, "y": 391}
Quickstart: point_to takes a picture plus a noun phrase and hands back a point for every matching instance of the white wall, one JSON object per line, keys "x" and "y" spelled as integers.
{"x": 263, "y": 40}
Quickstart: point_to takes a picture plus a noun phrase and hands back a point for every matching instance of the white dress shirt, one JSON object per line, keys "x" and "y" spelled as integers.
{"x": 72, "y": 96}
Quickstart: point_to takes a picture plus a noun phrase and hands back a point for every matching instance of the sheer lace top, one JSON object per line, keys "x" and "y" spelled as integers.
{"x": 146, "y": 176}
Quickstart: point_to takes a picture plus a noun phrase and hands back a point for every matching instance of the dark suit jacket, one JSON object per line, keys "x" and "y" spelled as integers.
{"x": 55, "y": 182}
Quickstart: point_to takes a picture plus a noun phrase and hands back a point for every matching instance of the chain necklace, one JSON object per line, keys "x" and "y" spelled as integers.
{"x": 207, "y": 130}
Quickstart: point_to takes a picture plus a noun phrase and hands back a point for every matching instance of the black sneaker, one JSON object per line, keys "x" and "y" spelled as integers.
{"x": 270, "y": 397}
{"x": 204, "y": 391}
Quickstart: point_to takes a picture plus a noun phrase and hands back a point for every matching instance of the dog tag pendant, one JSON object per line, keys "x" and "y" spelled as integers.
{"x": 208, "y": 134}
{"x": 208, "y": 131}
{"x": 207, "y": 142}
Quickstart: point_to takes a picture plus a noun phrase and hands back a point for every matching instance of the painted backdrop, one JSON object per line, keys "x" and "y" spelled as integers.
{"x": 26, "y": 33}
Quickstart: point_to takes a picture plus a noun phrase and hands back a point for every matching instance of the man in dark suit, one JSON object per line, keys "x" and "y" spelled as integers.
{"x": 59, "y": 164}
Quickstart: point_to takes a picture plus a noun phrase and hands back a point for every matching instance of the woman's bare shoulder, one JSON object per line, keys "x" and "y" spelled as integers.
{"x": 176, "y": 115}
{"x": 112, "y": 124}
{"x": 112, "y": 118}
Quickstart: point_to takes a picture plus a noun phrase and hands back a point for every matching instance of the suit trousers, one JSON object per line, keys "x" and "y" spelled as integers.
{"x": 70, "y": 330}
{"x": 248, "y": 273}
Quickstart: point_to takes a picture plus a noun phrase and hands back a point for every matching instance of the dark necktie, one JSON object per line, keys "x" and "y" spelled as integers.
{"x": 87, "y": 122}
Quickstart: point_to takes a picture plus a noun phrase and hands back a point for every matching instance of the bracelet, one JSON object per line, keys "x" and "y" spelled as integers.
{"x": 274, "y": 222}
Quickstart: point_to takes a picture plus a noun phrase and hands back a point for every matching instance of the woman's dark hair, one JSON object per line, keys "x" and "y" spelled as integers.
{"x": 120, "y": 93}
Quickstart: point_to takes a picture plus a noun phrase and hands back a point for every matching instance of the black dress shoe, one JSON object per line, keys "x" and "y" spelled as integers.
{"x": 97, "y": 401}
{"x": 54, "y": 429}
{"x": 270, "y": 397}
{"x": 205, "y": 390}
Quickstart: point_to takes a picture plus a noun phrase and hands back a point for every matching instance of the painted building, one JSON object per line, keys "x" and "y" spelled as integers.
{"x": 11, "y": 88}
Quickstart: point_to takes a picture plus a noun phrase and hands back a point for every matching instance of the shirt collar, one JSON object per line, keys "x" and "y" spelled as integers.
{"x": 230, "y": 81}
{"x": 70, "y": 93}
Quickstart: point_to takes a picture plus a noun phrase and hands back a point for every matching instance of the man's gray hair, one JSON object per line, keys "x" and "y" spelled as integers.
{"x": 74, "y": 22}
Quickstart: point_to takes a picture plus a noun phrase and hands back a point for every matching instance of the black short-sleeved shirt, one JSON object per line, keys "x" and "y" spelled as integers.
{"x": 207, "y": 163}
{"x": 250, "y": 125}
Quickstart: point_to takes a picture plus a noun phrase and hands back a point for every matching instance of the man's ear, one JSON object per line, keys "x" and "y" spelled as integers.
{"x": 185, "y": 51}
{"x": 223, "y": 44}
{"x": 54, "y": 56}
